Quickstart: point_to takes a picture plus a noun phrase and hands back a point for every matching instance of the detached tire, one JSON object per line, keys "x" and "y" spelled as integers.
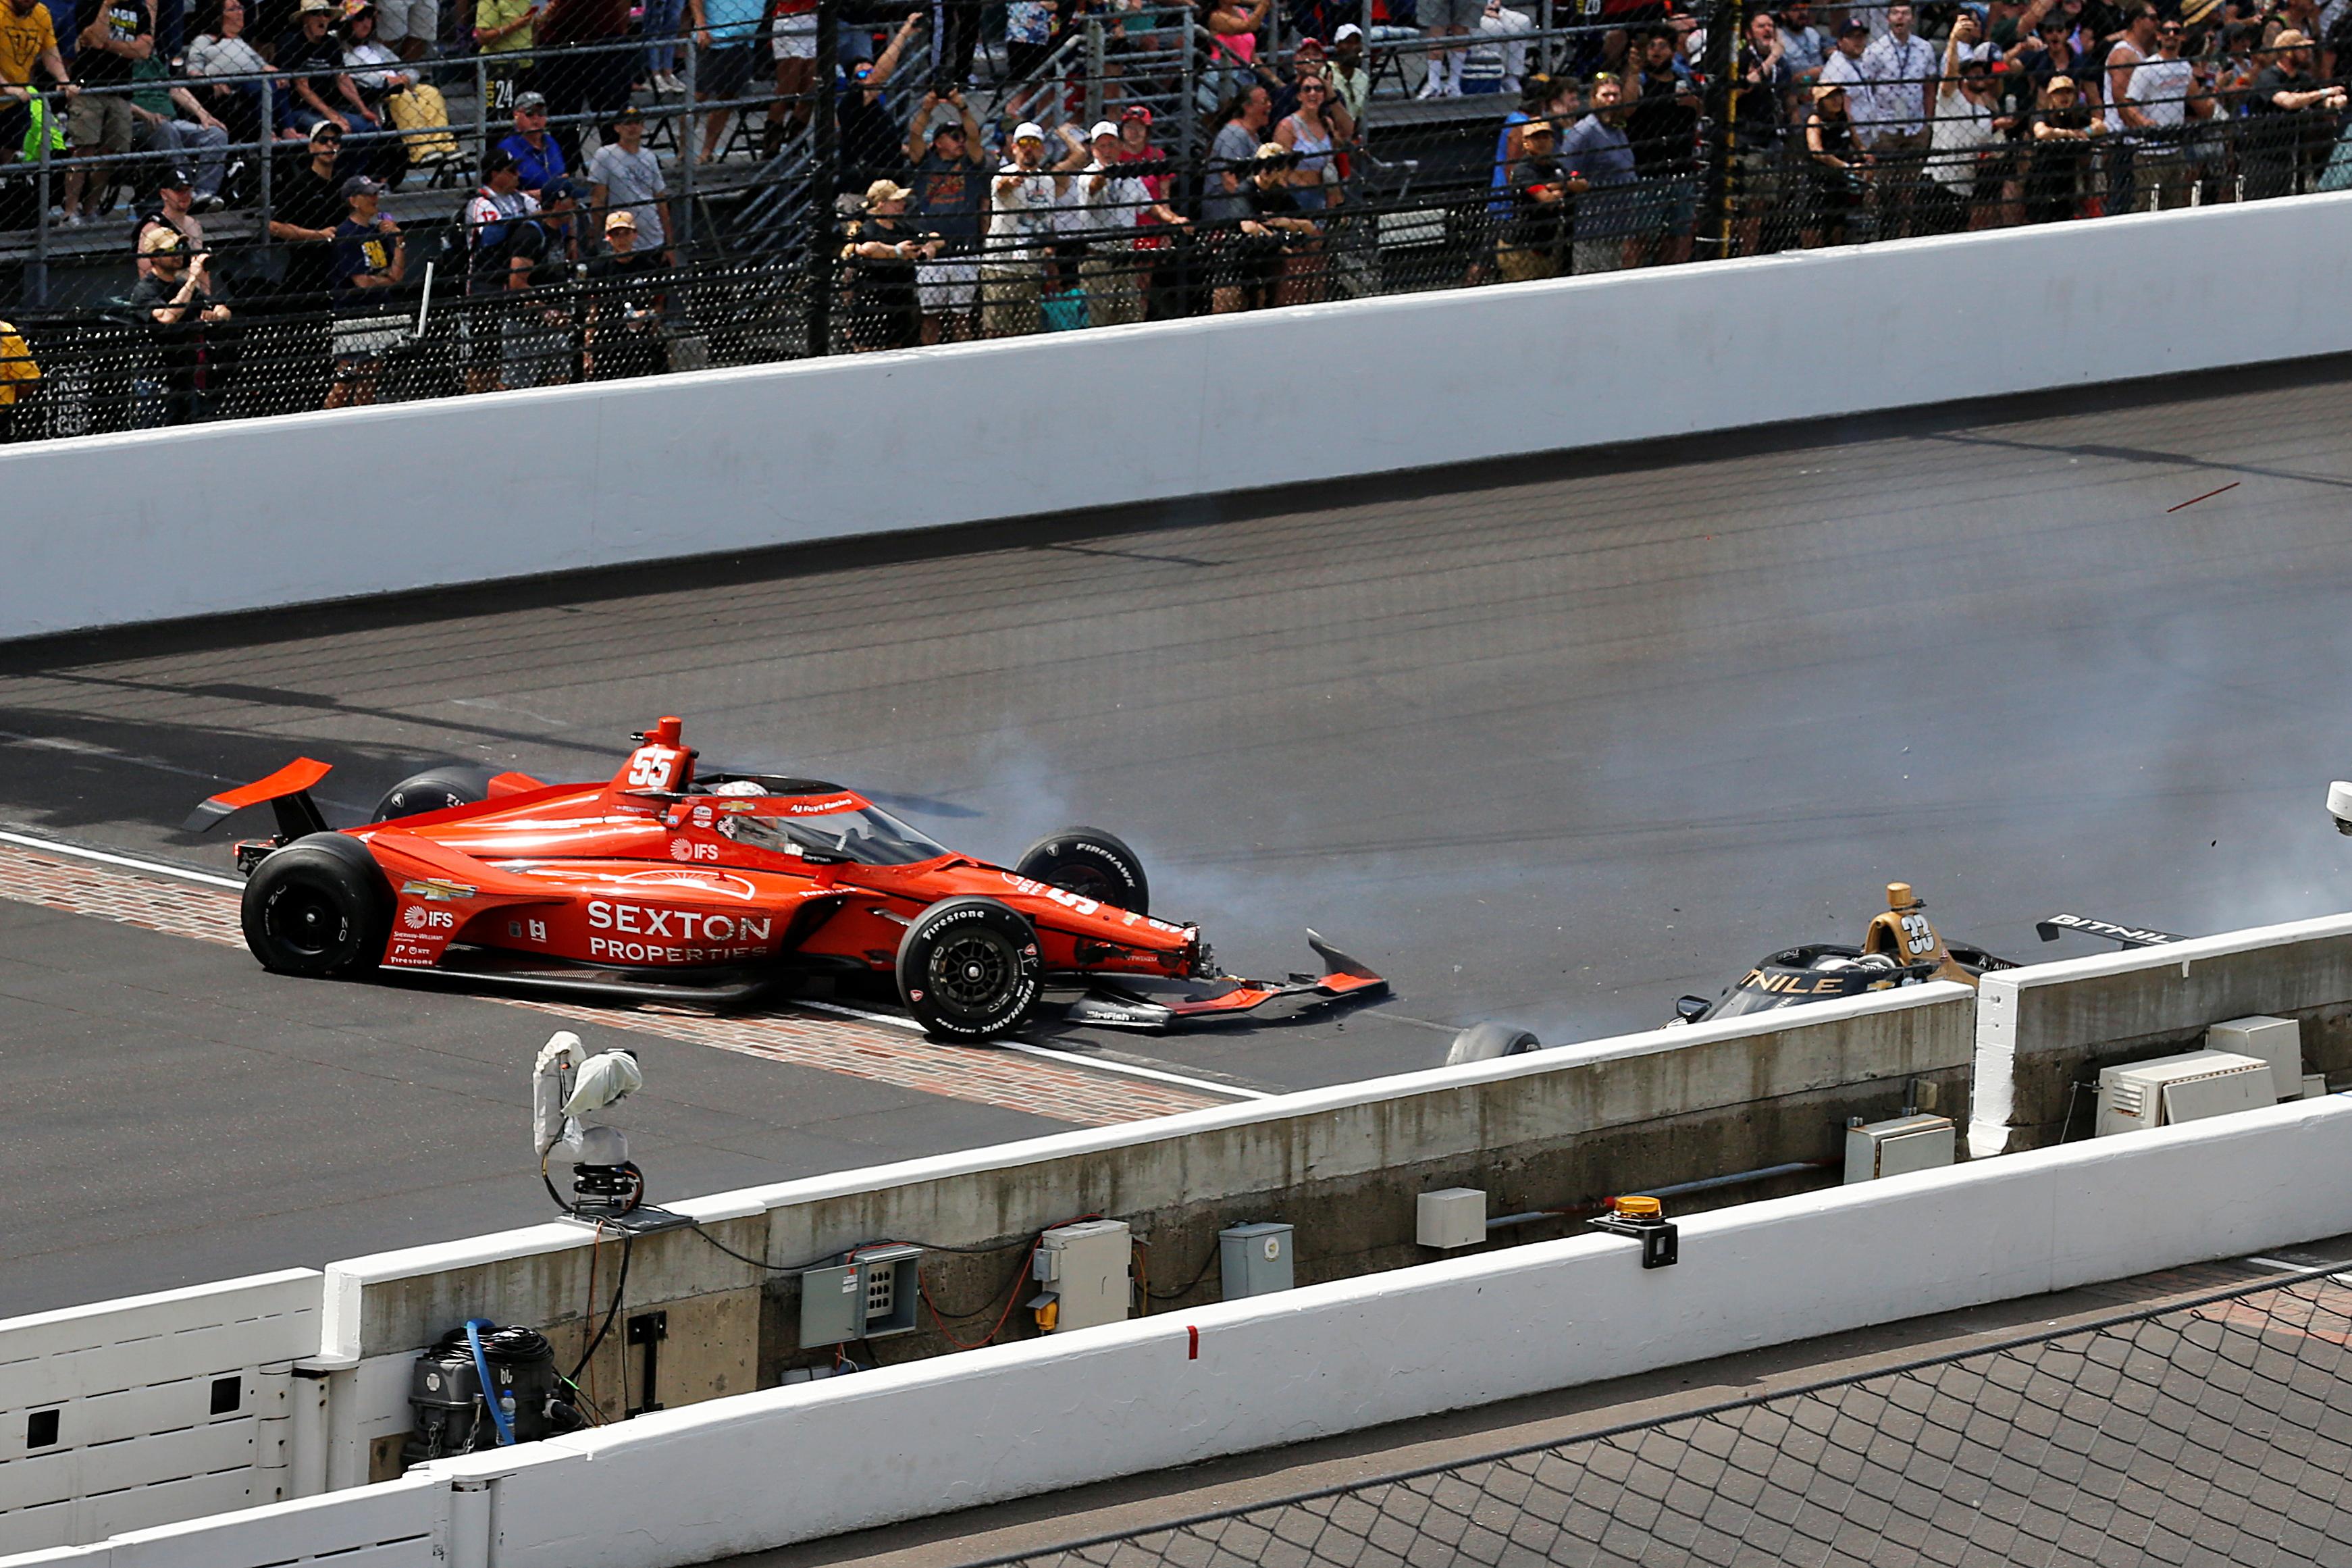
{"x": 320, "y": 908}
{"x": 435, "y": 789}
{"x": 1092, "y": 864}
{"x": 1490, "y": 1042}
{"x": 968, "y": 969}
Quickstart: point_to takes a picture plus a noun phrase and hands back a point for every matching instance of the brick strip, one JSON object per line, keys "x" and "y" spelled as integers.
{"x": 973, "y": 1073}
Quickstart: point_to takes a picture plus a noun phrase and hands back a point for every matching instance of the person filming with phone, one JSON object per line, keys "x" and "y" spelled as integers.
{"x": 178, "y": 300}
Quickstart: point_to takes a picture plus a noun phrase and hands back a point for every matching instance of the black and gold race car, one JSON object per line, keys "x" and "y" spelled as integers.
{"x": 1900, "y": 947}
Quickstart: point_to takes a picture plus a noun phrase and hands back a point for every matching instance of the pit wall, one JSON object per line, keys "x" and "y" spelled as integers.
{"x": 1552, "y": 1130}
{"x": 2047, "y": 1028}
{"x": 818, "y": 1460}
{"x": 219, "y": 519}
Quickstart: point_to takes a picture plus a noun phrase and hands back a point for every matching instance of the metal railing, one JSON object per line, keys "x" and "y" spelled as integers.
{"x": 1436, "y": 186}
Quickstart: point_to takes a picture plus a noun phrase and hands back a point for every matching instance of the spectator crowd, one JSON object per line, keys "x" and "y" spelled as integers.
{"x": 996, "y": 180}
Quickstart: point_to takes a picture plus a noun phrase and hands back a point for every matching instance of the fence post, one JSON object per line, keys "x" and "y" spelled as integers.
{"x": 37, "y": 282}
{"x": 1187, "y": 190}
{"x": 1094, "y": 69}
{"x": 267, "y": 194}
{"x": 689, "y": 138}
{"x": 481, "y": 107}
{"x": 823, "y": 178}
{"x": 1714, "y": 240}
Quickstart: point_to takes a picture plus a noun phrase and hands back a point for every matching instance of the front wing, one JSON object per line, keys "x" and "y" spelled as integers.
{"x": 1344, "y": 979}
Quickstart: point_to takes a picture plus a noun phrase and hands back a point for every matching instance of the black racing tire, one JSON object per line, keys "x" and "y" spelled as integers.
{"x": 968, "y": 969}
{"x": 1490, "y": 1042}
{"x": 435, "y": 789}
{"x": 1092, "y": 864}
{"x": 320, "y": 908}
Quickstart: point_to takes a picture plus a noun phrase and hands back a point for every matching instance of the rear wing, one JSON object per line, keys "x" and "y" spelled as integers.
{"x": 287, "y": 791}
{"x": 2051, "y": 930}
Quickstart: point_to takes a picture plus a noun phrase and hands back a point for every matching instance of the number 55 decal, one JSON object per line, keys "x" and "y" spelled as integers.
{"x": 651, "y": 768}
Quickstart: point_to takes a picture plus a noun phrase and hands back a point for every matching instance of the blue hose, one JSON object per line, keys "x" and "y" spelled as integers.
{"x": 474, "y": 1327}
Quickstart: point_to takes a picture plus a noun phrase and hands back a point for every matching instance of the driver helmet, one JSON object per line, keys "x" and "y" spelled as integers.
{"x": 740, "y": 787}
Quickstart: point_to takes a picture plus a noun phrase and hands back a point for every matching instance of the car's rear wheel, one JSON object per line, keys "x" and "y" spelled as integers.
{"x": 968, "y": 969}
{"x": 320, "y": 908}
{"x": 1092, "y": 864}
{"x": 435, "y": 789}
{"x": 1490, "y": 1042}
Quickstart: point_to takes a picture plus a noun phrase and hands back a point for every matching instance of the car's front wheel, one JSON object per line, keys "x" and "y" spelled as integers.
{"x": 968, "y": 969}
{"x": 320, "y": 908}
{"x": 1092, "y": 864}
{"x": 435, "y": 789}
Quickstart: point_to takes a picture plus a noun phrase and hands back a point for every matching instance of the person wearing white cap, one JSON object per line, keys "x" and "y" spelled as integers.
{"x": 1019, "y": 226}
{"x": 1350, "y": 80}
{"x": 1115, "y": 199}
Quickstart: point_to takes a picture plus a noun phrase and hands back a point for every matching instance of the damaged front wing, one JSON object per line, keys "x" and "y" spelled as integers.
{"x": 1110, "y": 1004}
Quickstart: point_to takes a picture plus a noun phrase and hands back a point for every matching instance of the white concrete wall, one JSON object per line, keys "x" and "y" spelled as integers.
{"x": 815, "y": 1460}
{"x": 818, "y": 1460}
{"x": 107, "y": 530}
{"x": 2032, "y": 1017}
{"x": 395, "y": 1303}
{"x": 132, "y": 1383}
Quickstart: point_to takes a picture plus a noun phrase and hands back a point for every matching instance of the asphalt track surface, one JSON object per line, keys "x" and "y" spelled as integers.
{"x": 1551, "y": 741}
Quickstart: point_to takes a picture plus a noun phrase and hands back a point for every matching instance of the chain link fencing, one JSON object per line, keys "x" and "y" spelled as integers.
{"x": 834, "y": 176}
{"x": 2212, "y": 1431}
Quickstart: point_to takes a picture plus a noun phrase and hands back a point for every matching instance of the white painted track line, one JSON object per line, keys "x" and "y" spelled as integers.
{"x": 160, "y": 868}
{"x": 1075, "y": 1057}
{"x": 1099, "y": 1065}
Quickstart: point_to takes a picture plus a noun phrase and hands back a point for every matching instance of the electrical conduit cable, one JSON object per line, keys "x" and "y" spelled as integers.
{"x": 474, "y": 1327}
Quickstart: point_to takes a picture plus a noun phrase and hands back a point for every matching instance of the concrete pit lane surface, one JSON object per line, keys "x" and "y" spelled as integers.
{"x": 1549, "y": 741}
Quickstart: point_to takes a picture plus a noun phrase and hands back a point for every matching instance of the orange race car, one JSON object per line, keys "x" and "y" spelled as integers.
{"x": 724, "y": 889}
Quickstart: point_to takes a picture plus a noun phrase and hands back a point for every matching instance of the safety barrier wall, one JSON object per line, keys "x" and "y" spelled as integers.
{"x": 2044, "y": 1030}
{"x": 818, "y": 1460}
{"x": 1342, "y": 1164}
{"x": 221, "y": 518}
{"x": 129, "y": 1412}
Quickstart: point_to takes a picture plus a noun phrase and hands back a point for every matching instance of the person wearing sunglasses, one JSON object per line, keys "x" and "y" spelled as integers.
{"x": 308, "y": 207}
{"x": 2163, "y": 101}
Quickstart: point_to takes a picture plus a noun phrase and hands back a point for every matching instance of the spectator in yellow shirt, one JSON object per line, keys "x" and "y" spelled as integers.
{"x": 20, "y": 377}
{"x": 28, "y": 38}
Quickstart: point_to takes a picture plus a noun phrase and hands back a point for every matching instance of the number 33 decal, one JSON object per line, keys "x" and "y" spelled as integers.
{"x": 1918, "y": 937}
{"x": 651, "y": 768}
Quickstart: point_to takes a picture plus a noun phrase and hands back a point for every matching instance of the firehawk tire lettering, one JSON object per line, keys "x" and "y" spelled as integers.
{"x": 968, "y": 969}
{"x": 1092, "y": 864}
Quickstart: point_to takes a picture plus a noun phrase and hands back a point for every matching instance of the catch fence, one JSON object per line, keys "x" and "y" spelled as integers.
{"x": 1407, "y": 159}
{"x": 2211, "y": 1431}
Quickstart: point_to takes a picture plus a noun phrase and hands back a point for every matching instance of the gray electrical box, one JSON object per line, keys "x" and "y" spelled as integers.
{"x": 1254, "y": 1259}
{"x": 2278, "y": 1041}
{"x": 868, "y": 1297}
{"x": 1897, "y": 1147}
{"x": 1084, "y": 1269}
{"x": 2177, "y": 1089}
{"x": 1450, "y": 1218}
